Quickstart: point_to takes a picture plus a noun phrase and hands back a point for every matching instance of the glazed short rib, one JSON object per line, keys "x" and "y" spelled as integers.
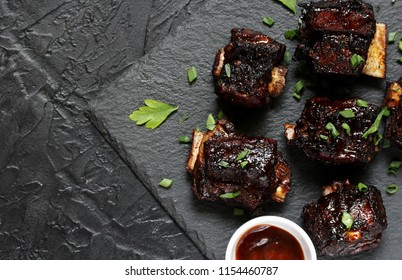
{"x": 252, "y": 169}
{"x": 333, "y": 237}
{"x": 335, "y": 132}
{"x": 333, "y": 31}
{"x": 247, "y": 71}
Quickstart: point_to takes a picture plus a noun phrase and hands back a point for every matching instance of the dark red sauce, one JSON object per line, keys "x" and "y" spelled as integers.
{"x": 266, "y": 242}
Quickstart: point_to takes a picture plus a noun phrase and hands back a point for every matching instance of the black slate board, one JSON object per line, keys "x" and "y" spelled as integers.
{"x": 156, "y": 154}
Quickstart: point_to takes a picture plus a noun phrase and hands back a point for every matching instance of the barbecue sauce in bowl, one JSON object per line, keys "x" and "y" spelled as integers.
{"x": 266, "y": 242}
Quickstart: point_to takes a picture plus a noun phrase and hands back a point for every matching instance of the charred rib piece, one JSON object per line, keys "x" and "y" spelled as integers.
{"x": 323, "y": 219}
{"x": 333, "y": 132}
{"x": 333, "y": 32}
{"x": 393, "y": 128}
{"x": 247, "y": 71}
{"x": 222, "y": 161}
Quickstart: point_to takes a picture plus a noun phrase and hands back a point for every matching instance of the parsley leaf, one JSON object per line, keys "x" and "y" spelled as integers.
{"x": 153, "y": 114}
{"x": 290, "y": 4}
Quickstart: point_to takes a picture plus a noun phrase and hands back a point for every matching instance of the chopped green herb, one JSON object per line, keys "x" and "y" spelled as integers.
{"x": 400, "y": 60}
{"x": 323, "y": 137}
{"x": 227, "y": 70}
{"x": 230, "y": 195}
{"x": 243, "y": 154}
{"x": 243, "y": 164}
{"x": 356, "y": 60}
{"x": 183, "y": 119}
{"x": 268, "y": 21}
{"x": 153, "y": 114}
{"x": 361, "y": 103}
{"x": 347, "y": 220}
{"x": 299, "y": 86}
{"x": 375, "y": 125}
{"x": 298, "y": 89}
{"x": 238, "y": 212}
{"x": 362, "y": 187}
{"x": 291, "y": 34}
{"x": 400, "y": 45}
{"x": 290, "y": 4}
{"x": 192, "y": 74}
{"x": 184, "y": 139}
{"x": 346, "y": 127}
{"x": 392, "y": 189}
{"x": 223, "y": 164}
{"x": 387, "y": 112}
{"x": 386, "y": 143}
{"x": 296, "y": 96}
{"x": 347, "y": 114}
{"x": 394, "y": 166}
{"x": 378, "y": 138}
{"x": 286, "y": 57}
{"x": 392, "y": 37}
{"x": 221, "y": 115}
{"x": 331, "y": 127}
{"x": 166, "y": 183}
{"x": 210, "y": 124}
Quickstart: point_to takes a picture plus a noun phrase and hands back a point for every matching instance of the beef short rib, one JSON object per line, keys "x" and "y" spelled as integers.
{"x": 332, "y": 32}
{"x": 333, "y": 132}
{"x": 323, "y": 219}
{"x": 222, "y": 161}
{"x": 247, "y": 71}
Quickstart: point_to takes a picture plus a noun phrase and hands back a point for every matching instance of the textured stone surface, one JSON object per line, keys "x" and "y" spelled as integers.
{"x": 64, "y": 193}
{"x": 155, "y": 154}
{"x": 166, "y": 16}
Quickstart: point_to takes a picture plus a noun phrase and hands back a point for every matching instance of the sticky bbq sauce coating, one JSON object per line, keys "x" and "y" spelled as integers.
{"x": 332, "y": 32}
{"x": 323, "y": 219}
{"x": 222, "y": 161}
{"x": 266, "y": 242}
{"x": 247, "y": 72}
{"x": 333, "y": 132}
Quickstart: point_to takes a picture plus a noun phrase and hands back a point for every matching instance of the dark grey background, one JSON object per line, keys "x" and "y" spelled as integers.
{"x": 155, "y": 154}
{"x": 64, "y": 193}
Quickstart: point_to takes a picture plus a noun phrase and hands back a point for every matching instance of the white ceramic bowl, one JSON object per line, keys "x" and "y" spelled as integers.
{"x": 285, "y": 224}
